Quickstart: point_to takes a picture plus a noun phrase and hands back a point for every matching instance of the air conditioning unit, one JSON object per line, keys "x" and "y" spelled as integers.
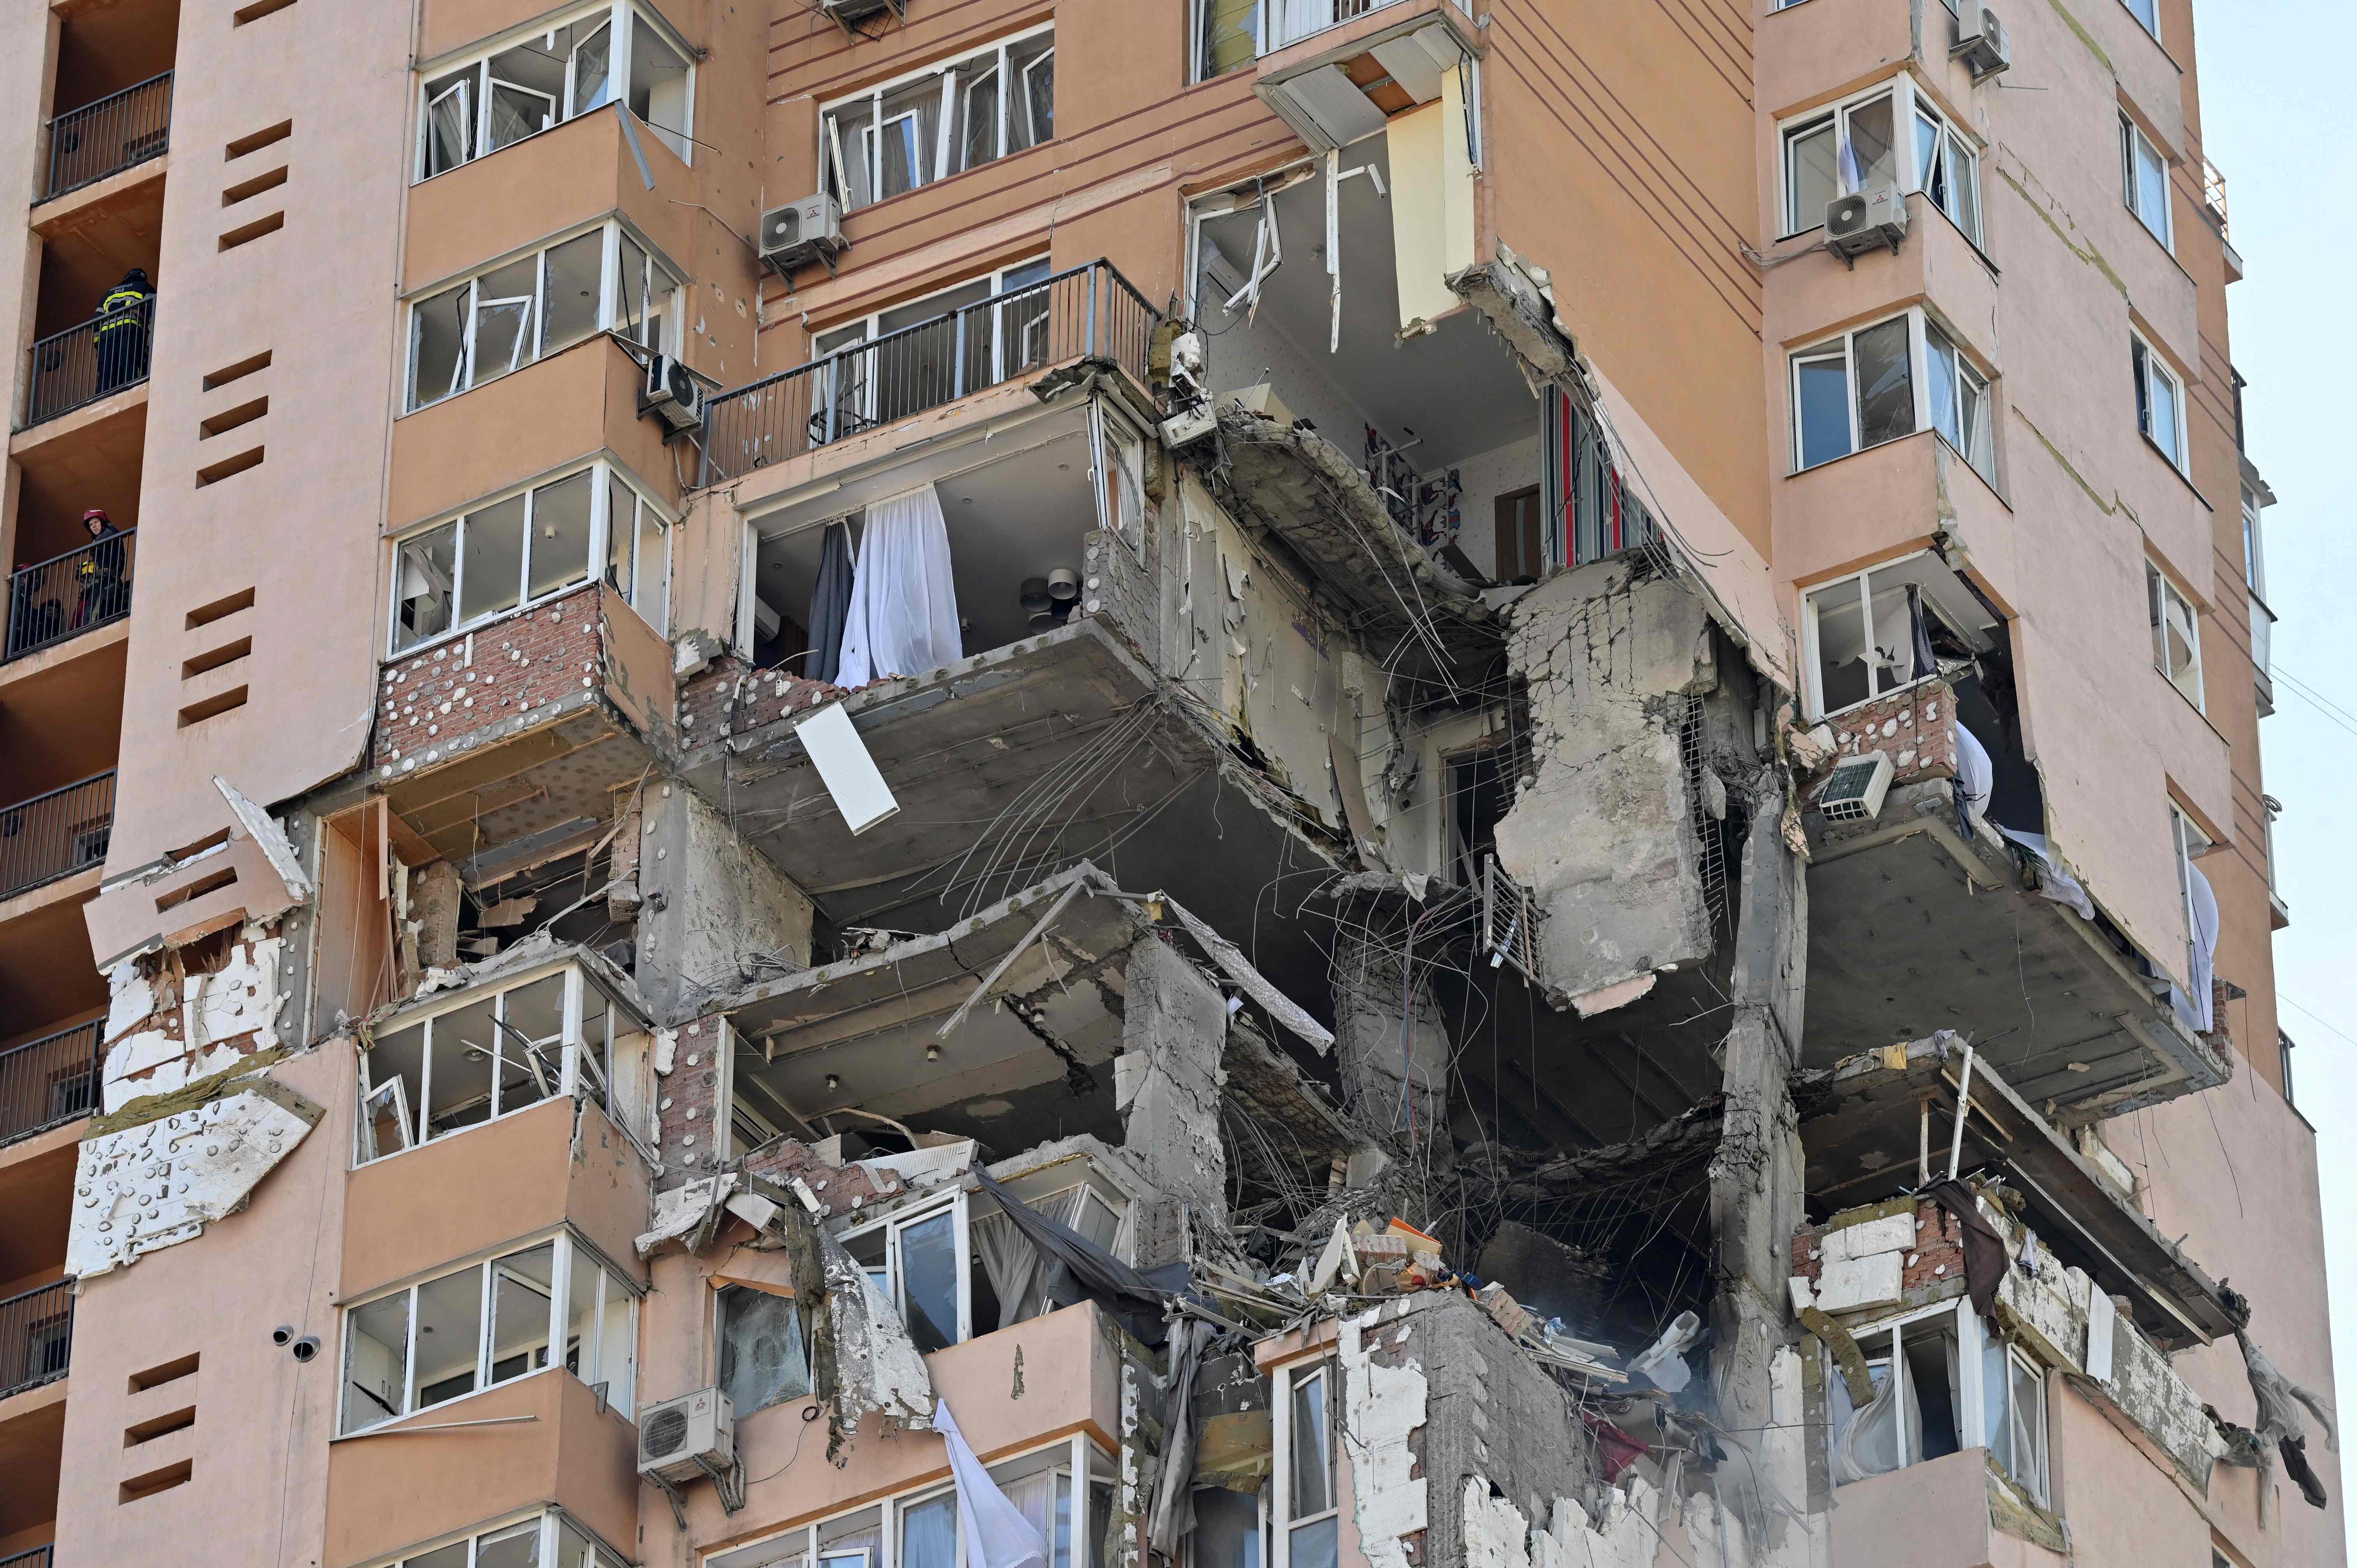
{"x": 849, "y": 11}
{"x": 810, "y": 230}
{"x": 1981, "y": 42}
{"x": 681, "y": 1439}
{"x": 1866, "y": 221}
{"x": 1853, "y": 792}
{"x": 671, "y": 392}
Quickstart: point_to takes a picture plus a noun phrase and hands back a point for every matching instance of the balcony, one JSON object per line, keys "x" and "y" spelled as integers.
{"x": 56, "y": 600}
{"x": 48, "y": 1082}
{"x": 39, "y": 1557}
{"x": 76, "y": 367}
{"x": 1088, "y": 313}
{"x": 56, "y": 835}
{"x": 35, "y": 1337}
{"x": 118, "y": 131}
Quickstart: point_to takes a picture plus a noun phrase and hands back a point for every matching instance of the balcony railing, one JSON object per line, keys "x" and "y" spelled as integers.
{"x": 2213, "y": 194}
{"x": 129, "y": 127}
{"x": 1089, "y": 311}
{"x": 49, "y": 1083}
{"x": 1290, "y": 21}
{"x": 35, "y": 1337}
{"x": 39, "y": 1557}
{"x": 55, "y": 835}
{"x": 87, "y": 360}
{"x": 81, "y": 590}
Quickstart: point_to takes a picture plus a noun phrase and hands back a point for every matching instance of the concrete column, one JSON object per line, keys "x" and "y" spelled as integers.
{"x": 1174, "y": 1027}
{"x": 1389, "y": 1038}
{"x": 715, "y": 912}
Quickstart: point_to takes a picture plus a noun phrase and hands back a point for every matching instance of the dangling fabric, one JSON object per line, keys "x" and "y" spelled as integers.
{"x": 2198, "y": 1000}
{"x": 903, "y": 618}
{"x": 830, "y": 603}
{"x": 997, "y": 1535}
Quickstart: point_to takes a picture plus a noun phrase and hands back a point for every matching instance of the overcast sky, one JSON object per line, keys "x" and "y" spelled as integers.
{"x": 2275, "y": 118}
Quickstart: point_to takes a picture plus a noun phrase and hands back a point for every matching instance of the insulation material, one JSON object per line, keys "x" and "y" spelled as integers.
{"x": 265, "y": 832}
{"x": 877, "y": 1369}
{"x": 1237, "y": 967}
{"x": 1387, "y": 1404}
{"x": 158, "y": 1043}
{"x": 159, "y": 1183}
{"x": 1497, "y": 1535}
{"x": 1432, "y": 202}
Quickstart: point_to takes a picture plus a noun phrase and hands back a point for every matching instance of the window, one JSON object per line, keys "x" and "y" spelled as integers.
{"x": 2254, "y": 554}
{"x": 1947, "y": 171}
{"x": 916, "y": 129}
{"x": 1227, "y": 35}
{"x": 1957, "y": 1387}
{"x": 2147, "y": 12}
{"x": 2160, "y": 403}
{"x": 1120, "y": 477}
{"x": 523, "y": 549}
{"x": 1959, "y": 396}
{"x": 2176, "y": 634}
{"x": 1309, "y": 1529}
{"x": 1857, "y": 391}
{"x": 553, "y": 1538}
{"x": 957, "y": 341}
{"x": 764, "y": 1351}
{"x": 482, "y": 1056}
{"x": 1853, "y": 148}
{"x": 487, "y": 1324}
{"x": 2145, "y": 173}
{"x": 549, "y": 76}
{"x": 1888, "y": 628}
{"x": 921, "y": 1527}
{"x": 524, "y": 309}
{"x": 920, "y": 1265}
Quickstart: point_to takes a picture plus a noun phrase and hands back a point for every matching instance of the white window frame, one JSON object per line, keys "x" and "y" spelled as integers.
{"x": 951, "y": 113}
{"x": 1846, "y": 344}
{"x": 2151, "y": 24}
{"x": 2163, "y": 601}
{"x": 1863, "y": 578}
{"x": 478, "y": 62}
{"x": 1960, "y": 160}
{"x": 552, "y": 1521}
{"x": 953, "y": 1203}
{"x": 585, "y": 1067}
{"x": 1282, "y": 1524}
{"x": 568, "y": 1248}
{"x": 866, "y": 389}
{"x": 1973, "y": 1341}
{"x": 1908, "y": 103}
{"x": 605, "y": 473}
{"x": 1974, "y": 409}
{"x": 2145, "y": 364}
{"x": 2133, "y": 145}
{"x": 609, "y": 313}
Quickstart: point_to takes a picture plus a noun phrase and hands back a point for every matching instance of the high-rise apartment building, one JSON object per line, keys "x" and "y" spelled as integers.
{"x": 1262, "y": 783}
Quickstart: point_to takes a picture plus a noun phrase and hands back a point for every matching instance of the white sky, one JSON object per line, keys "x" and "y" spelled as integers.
{"x": 2276, "y": 114}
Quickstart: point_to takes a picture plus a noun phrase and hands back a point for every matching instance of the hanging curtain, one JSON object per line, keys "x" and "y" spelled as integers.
{"x": 1036, "y": 1496}
{"x": 903, "y": 618}
{"x": 997, "y": 1533}
{"x": 1019, "y": 1276}
{"x": 2197, "y": 1010}
{"x": 929, "y": 1533}
{"x": 830, "y": 603}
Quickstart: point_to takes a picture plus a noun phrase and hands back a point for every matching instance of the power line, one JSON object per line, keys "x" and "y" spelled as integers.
{"x": 2299, "y": 688}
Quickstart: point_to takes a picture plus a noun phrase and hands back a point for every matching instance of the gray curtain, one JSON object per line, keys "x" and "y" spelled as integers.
{"x": 1020, "y": 1274}
{"x": 830, "y": 603}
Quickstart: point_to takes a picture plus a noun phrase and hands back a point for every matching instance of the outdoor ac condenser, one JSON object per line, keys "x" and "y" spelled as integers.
{"x": 1867, "y": 220}
{"x": 681, "y": 1439}
{"x": 1981, "y": 42}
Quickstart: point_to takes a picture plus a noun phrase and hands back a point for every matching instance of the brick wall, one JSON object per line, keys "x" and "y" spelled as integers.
{"x": 438, "y": 698}
{"x": 1916, "y": 728}
{"x": 732, "y": 697}
{"x": 687, "y": 1101}
{"x": 1937, "y": 1257}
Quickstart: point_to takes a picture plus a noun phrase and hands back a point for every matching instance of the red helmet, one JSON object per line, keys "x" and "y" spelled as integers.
{"x": 97, "y": 512}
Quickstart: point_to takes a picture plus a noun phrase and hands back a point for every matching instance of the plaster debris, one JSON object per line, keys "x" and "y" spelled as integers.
{"x": 1386, "y": 1404}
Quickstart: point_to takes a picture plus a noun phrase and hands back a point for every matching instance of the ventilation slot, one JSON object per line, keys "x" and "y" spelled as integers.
{"x": 210, "y": 841}
{"x": 244, "y": 232}
{"x": 227, "y": 877}
{"x": 168, "y": 1373}
{"x": 238, "y": 371}
{"x": 161, "y": 1426}
{"x": 212, "y": 707}
{"x": 205, "y": 615}
{"x": 213, "y": 474}
{"x": 155, "y": 1481}
{"x": 258, "y": 10}
{"x": 243, "y": 413}
{"x": 254, "y": 187}
{"x": 228, "y": 653}
{"x": 257, "y": 141}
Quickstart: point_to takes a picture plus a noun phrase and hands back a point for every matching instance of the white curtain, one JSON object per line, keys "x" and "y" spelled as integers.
{"x": 904, "y": 616}
{"x": 2197, "y": 1008}
{"x": 997, "y": 1535}
{"x": 1019, "y": 1274}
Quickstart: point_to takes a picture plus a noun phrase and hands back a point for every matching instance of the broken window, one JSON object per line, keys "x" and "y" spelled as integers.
{"x": 764, "y": 1353}
{"x": 2194, "y": 1003}
{"x": 1886, "y": 628}
{"x": 553, "y": 1539}
{"x": 538, "y": 305}
{"x": 1947, "y": 170}
{"x": 523, "y": 549}
{"x": 1943, "y": 1384}
{"x": 921, "y": 1265}
{"x": 1959, "y": 396}
{"x": 552, "y": 74}
{"x": 2160, "y": 403}
{"x": 2143, "y": 176}
{"x": 489, "y": 1323}
{"x": 933, "y": 350}
{"x": 1120, "y": 480}
{"x": 1227, "y": 35}
{"x": 1855, "y": 391}
{"x": 2013, "y": 1413}
{"x": 1481, "y": 792}
{"x": 2176, "y": 634}
{"x": 930, "y": 124}
{"x": 1585, "y": 513}
{"x": 1311, "y": 1523}
{"x": 483, "y": 1058}
{"x": 1848, "y": 148}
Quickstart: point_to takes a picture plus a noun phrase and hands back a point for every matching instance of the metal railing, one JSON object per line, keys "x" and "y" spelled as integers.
{"x": 121, "y": 130}
{"x": 2213, "y": 194}
{"x": 55, "y": 835}
{"x": 1090, "y": 312}
{"x": 39, "y": 1557}
{"x": 1293, "y": 20}
{"x": 49, "y": 1083}
{"x": 53, "y": 600}
{"x": 36, "y": 1338}
{"x": 84, "y": 363}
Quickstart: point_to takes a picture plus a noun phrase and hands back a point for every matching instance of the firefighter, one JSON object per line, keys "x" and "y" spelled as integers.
{"x": 104, "y": 585}
{"x": 120, "y": 332}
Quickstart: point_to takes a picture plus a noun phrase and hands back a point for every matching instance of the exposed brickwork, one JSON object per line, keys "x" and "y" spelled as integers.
{"x": 687, "y": 1106}
{"x": 732, "y": 697}
{"x": 1936, "y": 1258}
{"x": 439, "y": 697}
{"x": 840, "y": 1189}
{"x": 1916, "y": 728}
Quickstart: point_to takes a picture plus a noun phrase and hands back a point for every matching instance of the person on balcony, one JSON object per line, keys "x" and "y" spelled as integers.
{"x": 105, "y": 587}
{"x": 120, "y": 332}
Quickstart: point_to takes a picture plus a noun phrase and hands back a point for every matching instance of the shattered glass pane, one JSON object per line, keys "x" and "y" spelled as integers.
{"x": 763, "y": 1358}
{"x": 1885, "y": 383}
